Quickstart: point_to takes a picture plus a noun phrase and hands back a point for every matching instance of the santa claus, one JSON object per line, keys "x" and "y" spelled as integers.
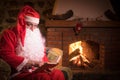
{"x": 23, "y": 48}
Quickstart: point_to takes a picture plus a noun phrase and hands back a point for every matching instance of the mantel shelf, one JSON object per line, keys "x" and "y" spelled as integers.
{"x": 86, "y": 24}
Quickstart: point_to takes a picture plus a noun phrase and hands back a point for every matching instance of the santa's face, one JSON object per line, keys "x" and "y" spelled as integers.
{"x": 31, "y": 25}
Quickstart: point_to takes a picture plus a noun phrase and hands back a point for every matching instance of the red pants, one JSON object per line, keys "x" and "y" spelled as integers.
{"x": 53, "y": 75}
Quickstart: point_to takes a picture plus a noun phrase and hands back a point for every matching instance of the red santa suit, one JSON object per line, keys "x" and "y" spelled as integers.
{"x": 18, "y": 45}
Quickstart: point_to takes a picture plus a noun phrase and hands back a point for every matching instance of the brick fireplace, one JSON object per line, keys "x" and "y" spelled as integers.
{"x": 100, "y": 40}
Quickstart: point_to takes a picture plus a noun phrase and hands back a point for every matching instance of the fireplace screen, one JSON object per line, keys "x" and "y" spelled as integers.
{"x": 84, "y": 54}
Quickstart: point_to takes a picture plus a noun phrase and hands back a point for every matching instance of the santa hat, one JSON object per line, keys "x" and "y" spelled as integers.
{"x": 27, "y": 13}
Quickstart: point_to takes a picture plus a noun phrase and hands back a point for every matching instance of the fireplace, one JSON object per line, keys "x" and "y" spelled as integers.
{"x": 94, "y": 48}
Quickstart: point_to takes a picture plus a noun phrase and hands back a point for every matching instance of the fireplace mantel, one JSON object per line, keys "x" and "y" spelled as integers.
{"x": 86, "y": 24}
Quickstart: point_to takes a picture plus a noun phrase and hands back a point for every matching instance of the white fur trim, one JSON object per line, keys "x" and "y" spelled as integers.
{"x": 32, "y": 19}
{"x": 22, "y": 64}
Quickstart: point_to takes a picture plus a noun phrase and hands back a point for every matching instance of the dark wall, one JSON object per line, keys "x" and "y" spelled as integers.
{"x": 9, "y": 10}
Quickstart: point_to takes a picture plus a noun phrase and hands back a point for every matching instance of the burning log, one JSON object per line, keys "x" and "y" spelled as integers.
{"x": 74, "y": 54}
{"x": 89, "y": 64}
{"x": 78, "y": 59}
{"x": 79, "y": 56}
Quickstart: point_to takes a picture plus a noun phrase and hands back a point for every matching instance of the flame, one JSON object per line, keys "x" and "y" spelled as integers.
{"x": 77, "y": 59}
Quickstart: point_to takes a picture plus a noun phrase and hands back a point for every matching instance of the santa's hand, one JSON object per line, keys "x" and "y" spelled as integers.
{"x": 26, "y": 67}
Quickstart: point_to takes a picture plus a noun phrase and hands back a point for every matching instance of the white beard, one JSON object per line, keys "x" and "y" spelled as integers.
{"x": 34, "y": 45}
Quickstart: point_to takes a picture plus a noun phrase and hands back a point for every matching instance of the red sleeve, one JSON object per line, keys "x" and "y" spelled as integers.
{"x": 7, "y": 49}
{"x": 45, "y": 59}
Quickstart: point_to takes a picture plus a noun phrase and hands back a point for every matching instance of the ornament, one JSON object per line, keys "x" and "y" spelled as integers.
{"x": 78, "y": 28}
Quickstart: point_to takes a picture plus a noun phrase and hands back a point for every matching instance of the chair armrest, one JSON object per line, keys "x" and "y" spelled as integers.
{"x": 5, "y": 70}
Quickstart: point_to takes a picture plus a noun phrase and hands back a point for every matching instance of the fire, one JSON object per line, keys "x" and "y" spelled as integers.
{"x": 78, "y": 57}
